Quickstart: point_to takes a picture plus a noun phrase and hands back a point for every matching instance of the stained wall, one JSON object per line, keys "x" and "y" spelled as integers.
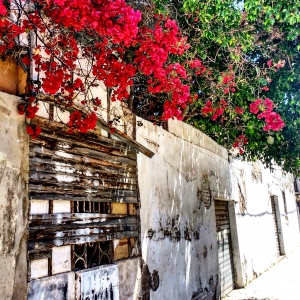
{"x": 13, "y": 199}
{"x": 252, "y": 189}
{"x": 178, "y": 230}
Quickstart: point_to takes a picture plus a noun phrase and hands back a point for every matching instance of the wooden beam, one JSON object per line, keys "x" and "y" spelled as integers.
{"x": 68, "y": 218}
{"x": 125, "y": 138}
{"x": 57, "y": 242}
{"x": 101, "y": 124}
{"x": 40, "y": 163}
{"x": 86, "y": 197}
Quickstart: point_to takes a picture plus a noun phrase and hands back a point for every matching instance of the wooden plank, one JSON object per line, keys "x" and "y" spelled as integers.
{"x": 97, "y": 223}
{"x": 125, "y": 138}
{"x": 55, "y": 129}
{"x": 120, "y": 135}
{"x": 60, "y": 156}
{"x": 35, "y": 255}
{"x": 68, "y": 218}
{"x": 87, "y": 197}
{"x": 63, "y": 189}
{"x": 61, "y": 140}
{"x": 109, "y": 157}
{"x": 48, "y": 244}
{"x": 90, "y": 170}
{"x": 77, "y": 181}
{"x": 83, "y": 158}
{"x": 46, "y": 234}
{"x": 80, "y": 220}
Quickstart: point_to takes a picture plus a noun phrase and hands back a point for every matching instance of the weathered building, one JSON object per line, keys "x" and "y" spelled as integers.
{"x": 209, "y": 223}
{"x": 96, "y": 217}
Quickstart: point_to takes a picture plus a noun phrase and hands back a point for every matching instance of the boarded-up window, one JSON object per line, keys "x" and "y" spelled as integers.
{"x": 83, "y": 193}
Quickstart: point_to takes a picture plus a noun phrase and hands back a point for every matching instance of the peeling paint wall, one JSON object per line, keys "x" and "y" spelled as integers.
{"x": 178, "y": 230}
{"x": 129, "y": 278}
{"x": 252, "y": 187}
{"x": 13, "y": 200}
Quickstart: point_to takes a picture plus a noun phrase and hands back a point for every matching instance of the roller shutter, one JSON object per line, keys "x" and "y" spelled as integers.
{"x": 224, "y": 247}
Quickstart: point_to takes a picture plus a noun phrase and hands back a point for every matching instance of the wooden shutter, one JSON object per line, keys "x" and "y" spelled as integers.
{"x": 91, "y": 175}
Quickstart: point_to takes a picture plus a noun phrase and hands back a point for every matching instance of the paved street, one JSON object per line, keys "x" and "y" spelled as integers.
{"x": 281, "y": 282}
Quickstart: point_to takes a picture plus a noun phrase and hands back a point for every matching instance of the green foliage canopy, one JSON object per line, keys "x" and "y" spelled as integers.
{"x": 248, "y": 39}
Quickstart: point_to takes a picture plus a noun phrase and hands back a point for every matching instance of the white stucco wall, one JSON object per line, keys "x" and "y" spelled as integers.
{"x": 13, "y": 200}
{"x": 183, "y": 246}
{"x": 254, "y": 221}
{"x": 172, "y": 214}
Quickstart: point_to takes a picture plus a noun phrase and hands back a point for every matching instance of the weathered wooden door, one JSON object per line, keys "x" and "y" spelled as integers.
{"x": 224, "y": 247}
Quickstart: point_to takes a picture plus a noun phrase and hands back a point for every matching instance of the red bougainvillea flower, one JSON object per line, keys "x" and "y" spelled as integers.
{"x": 269, "y": 63}
{"x": 239, "y": 110}
{"x": 265, "y": 88}
{"x": 33, "y": 131}
{"x": 226, "y": 91}
{"x": 255, "y": 106}
{"x": 80, "y": 123}
{"x": 3, "y": 9}
{"x": 227, "y": 79}
{"x": 239, "y": 143}
{"x": 197, "y": 64}
{"x": 274, "y": 122}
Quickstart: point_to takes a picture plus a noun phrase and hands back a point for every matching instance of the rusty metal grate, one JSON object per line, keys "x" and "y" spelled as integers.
{"x": 91, "y": 207}
{"x": 90, "y": 255}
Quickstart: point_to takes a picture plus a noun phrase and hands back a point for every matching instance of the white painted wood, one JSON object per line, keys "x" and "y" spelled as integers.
{"x": 39, "y": 268}
{"x": 39, "y": 207}
{"x": 61, "y": 259}
{"x": 61, "y": 206}
{"x": 61, "y": 286}
{"x": 97, "y": 281}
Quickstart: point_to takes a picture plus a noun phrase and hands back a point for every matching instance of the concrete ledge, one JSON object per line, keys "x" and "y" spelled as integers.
{"x": 195, "y": 136}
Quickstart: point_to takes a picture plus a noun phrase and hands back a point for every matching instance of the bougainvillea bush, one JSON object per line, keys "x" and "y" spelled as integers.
{"x": 145, "y": 59}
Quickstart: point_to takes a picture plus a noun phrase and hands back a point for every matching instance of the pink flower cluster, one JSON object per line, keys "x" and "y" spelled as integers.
{"x": 264, "y": 110}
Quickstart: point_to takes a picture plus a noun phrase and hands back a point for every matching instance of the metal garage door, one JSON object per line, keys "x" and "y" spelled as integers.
{"x": 224, "y": 247}
{"x": 278, "y": 249}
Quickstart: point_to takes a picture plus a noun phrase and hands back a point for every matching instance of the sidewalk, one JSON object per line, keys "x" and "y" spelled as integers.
{"x": 281, "y": 282}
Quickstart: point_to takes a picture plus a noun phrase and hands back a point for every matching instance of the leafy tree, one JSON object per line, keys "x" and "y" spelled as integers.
{"x": 256, "y": 43}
